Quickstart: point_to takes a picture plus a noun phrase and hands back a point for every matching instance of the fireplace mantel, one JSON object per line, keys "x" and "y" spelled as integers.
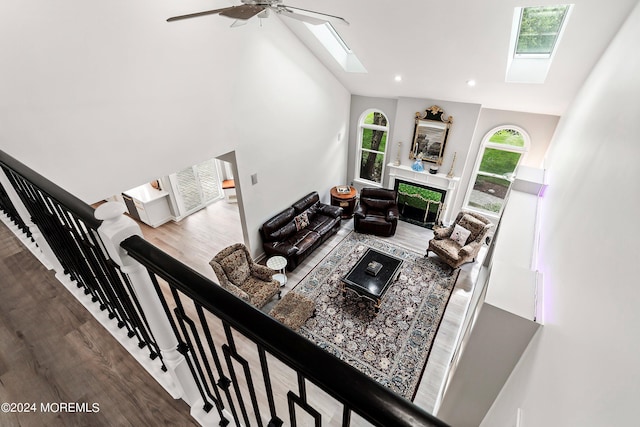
{"x": 438, "y": 180}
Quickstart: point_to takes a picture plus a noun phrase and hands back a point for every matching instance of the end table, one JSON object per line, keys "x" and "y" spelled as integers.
{"x": 278, "y": 263}
{"x": 346, "y": 200}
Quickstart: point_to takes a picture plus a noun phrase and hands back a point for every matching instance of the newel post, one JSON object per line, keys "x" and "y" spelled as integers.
{"x": 115, "y": 228}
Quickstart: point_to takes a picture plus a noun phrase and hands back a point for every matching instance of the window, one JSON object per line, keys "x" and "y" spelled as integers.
{"x": 372, "y": 131}
{"x": 539, "y": 29}
{"x": 336, "y": 46}
{"x": 196, "y": 186}
{"x": 500, "y": 154}
{"x": 535, "y": 37}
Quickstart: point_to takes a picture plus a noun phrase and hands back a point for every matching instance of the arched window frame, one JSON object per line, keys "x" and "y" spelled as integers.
{"x": 359, "y": 149}
{"x": 486, "y": 143}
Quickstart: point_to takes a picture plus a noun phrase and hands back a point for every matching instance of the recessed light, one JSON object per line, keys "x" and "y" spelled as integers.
{"x": 398, "y": 78}
{"x": 471, "y": 83}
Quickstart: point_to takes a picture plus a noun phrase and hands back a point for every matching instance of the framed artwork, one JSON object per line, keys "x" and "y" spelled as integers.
{"x": 430, "y": 135}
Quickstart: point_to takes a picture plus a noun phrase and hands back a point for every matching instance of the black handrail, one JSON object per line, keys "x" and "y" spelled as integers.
{"x": 80, "y": 251}
{"x": 69, "y": 228}
{"x": 81, "y": 209}
{"x": 371, "y": 400}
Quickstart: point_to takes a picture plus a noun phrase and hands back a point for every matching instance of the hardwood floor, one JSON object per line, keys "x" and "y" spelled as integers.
{"x": 197, "y": 238}
{"x": 54, "y": 351}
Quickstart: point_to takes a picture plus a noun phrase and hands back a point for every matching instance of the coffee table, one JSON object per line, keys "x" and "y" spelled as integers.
{"x": 369, "y": 286}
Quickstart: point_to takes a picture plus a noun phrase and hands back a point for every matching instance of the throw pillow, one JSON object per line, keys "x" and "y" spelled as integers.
{"x": 301, "y": 221}
{"x": 236, "y": 267}
{"x": 460, "y": 235}
{"x": 472, "y": 224}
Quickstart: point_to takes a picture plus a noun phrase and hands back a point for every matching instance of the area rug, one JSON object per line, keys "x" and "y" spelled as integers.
{"x": 393, "y": 345}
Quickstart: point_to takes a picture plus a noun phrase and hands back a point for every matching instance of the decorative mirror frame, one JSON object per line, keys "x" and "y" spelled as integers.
{"x": 430, "y": 124}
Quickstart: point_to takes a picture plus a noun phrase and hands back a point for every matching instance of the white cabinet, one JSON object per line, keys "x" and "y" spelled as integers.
{"x": 149, "y": 205}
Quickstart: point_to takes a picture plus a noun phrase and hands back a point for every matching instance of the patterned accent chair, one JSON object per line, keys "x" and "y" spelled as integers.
{"x": 454, "y": 245}
{"x": 377, "y": 212}
{"x": 240, "y": 275}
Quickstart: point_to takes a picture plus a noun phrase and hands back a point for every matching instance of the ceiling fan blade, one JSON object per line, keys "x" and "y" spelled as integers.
{"x": 195, "y": 15}
{"x": 300, "y": 17}
{"x": 340, "y": 19}
{"x": 239, "y": 23}
{"x": 245, "y": 11}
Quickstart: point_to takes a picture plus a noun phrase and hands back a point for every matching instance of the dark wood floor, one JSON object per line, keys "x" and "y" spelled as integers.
{"x": 52, "y": 351}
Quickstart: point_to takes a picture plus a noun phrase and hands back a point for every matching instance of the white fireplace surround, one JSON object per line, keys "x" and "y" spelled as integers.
{"x": 438, "y": 180}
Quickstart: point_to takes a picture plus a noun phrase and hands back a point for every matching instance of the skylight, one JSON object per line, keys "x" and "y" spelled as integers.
{"x": 336, "y": 46}
{"x": 540, "y": 29}
{"x": 535, "y": 37}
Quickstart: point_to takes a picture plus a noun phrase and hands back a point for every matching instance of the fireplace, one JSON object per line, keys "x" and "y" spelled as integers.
{"x": 419, "y": 204}
{"x": 439, "y": 182}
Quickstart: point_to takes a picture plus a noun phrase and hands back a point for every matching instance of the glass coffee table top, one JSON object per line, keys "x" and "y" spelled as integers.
{"x": 368, "y": 285}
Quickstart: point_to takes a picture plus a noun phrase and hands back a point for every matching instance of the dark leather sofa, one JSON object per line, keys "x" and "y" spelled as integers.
{"x": 298, "y": 230}
{"x": 377, "y": 212}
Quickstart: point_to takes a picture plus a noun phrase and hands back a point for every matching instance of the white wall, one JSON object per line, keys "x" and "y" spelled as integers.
{"x": 402, "y": 125}
{"x": 582, "y": 367}
{"x": 470, "y": 125}
{"x": 464, "y": 121}
{"x": 146, "y": 98}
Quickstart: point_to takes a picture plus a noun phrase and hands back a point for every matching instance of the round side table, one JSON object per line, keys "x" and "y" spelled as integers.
{"x": 346, "y": 200}
{"x": 278, "y": 263}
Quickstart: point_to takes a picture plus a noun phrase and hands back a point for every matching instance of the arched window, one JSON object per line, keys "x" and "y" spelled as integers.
{"x": 502, "y": 150}
{"x": 373, "y": 129}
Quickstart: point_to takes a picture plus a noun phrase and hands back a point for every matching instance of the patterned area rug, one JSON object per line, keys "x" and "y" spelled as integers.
{"x": 393, "y": 345}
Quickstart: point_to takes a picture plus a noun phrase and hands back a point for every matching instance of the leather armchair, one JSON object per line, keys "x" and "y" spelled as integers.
{"x": 456, "y": 253}
{"x": 240, "y": 275}
{"x": 377, "y": 212}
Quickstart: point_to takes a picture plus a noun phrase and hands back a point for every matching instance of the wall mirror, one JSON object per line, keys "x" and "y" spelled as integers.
{"x": 430, "y": 135}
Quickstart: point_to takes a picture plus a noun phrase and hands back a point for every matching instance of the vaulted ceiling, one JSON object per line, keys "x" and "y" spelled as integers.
{"x": 437, "y": 46}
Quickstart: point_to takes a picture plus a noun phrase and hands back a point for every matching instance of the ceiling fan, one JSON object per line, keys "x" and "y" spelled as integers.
{"x": 261, "y": 8}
